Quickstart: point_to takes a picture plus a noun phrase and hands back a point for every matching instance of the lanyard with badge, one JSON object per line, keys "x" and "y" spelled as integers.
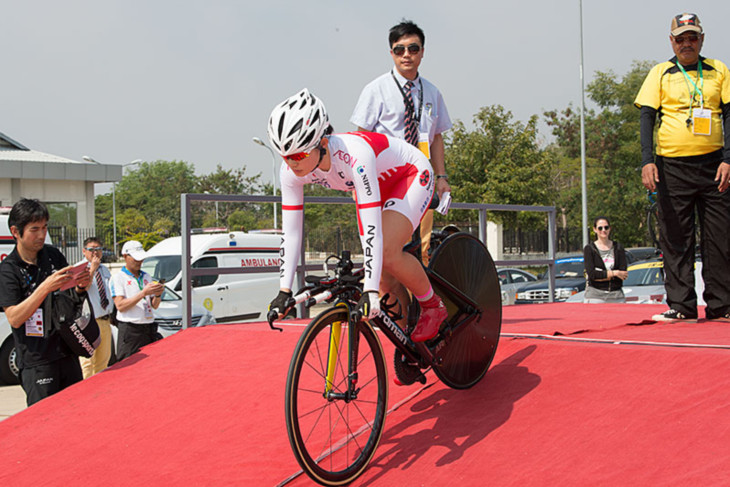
{"x": 34, "y": 324}
{"x": 701, "y": 118}
{"x": 147, "y": 306}
{"x": 422, "y": 137}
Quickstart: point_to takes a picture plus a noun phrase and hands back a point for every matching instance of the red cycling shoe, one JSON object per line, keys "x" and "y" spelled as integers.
{"x": 429, "y": 322}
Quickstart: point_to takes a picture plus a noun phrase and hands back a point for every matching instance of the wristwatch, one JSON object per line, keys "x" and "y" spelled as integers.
{"x": 442, "y": 176}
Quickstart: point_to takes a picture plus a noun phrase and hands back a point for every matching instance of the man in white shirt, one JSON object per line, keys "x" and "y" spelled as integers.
{"x": 135, "y": 294}
{"x": 402, "y": 98}
{"x": 100, "y": 298}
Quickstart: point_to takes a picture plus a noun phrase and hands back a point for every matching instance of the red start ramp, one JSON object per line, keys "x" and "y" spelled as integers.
{"x": 577, "y": 395}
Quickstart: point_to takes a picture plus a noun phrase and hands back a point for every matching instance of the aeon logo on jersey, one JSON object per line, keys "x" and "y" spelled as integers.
{"x": 345, "y": 157}
{"x": 365, "y": 181}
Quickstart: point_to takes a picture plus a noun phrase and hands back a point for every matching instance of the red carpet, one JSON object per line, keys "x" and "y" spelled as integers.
{"x": 567, "y": 407}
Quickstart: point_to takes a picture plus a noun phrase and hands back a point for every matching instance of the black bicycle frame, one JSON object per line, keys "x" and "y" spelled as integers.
{"x": 419, "y": 352}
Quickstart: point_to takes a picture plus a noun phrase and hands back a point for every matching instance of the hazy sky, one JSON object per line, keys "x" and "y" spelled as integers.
{"x": 195, "y": 81}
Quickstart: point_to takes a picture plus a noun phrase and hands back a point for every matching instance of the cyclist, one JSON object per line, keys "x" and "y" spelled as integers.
{"x": 393, "y": 184}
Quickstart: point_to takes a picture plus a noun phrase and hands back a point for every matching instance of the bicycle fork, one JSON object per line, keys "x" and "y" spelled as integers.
{"x": 333, "y": 355}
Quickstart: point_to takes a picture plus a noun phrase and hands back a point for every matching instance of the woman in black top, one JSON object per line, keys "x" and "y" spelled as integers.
{"x": 605, "y": 266}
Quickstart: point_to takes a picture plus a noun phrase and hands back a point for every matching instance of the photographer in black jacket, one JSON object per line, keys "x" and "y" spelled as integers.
{"x": 605, "y": 266}
{"x": 31, "y": 272}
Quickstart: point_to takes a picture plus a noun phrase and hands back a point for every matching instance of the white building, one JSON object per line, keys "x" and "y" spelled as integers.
{"x": 25, "y": 173}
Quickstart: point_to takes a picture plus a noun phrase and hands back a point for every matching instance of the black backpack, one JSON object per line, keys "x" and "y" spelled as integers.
{"x": 73, "y": 316}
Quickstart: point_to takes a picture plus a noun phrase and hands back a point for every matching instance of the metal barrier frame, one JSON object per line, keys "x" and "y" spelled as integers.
{"x": 188, "y": 272}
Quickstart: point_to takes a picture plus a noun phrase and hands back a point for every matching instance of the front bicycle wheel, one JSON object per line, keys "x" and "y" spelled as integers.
{"x": 334, "y": 431}
{"x": 464, "y": 262}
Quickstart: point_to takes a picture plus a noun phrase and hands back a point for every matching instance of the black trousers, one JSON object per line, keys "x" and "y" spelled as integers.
{"x": 685, "y": 189}
{"x": 133, "y": 336}
{"x": 41, "y": 381}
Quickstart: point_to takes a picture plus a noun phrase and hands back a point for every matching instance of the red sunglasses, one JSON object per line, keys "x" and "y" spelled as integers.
{"x": 297, "y": 157}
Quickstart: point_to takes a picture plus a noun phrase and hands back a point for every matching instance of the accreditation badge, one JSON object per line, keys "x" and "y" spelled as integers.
{"x": 148, "y": 313}
{"x": 423, "y": 145}
{"x": 34, "y": 324}
{"x": 701, "y": 121}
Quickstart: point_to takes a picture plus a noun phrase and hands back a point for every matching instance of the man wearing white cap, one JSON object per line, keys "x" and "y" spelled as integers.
{"x": 135, "y": 295}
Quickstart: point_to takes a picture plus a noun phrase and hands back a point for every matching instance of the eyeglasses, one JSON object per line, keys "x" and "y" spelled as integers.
{"x": 600, "y": 229}
{"x": 688, "y": 38}
{"x": 94, "y": 249}
{"x": 400, "y": 49}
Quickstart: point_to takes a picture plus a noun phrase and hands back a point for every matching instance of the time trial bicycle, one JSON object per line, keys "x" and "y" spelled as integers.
{"x": 337, "y": 384}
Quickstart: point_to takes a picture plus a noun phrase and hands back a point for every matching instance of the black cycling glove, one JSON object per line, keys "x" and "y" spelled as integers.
{"x": 279, "y": 302}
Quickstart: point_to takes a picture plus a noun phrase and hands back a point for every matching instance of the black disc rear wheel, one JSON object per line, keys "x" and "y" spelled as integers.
{"x": 464, "y": 262}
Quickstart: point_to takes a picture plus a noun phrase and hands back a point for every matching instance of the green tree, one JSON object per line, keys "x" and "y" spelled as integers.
{"x": 612, "y": 156}
{"x": 154, "y": 189}
{"x": 132, "y": 220}
{"x": 148, "y": 199}
{"x": 147, "y": 239}
{"x": 244, "y": 220}
{"x": 104, "y": 215}
{"x": 234, "y": 182}
{"x": 498, "y": 162}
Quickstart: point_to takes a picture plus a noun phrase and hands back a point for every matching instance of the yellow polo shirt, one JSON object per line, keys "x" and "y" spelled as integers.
{"x": 666, "y": 90}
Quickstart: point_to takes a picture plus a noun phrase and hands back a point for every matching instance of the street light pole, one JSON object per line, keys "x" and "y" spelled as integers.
{"x": 583, "y": 186}
{"x": 114, "y": 195}
{"x": 273, "y": 162}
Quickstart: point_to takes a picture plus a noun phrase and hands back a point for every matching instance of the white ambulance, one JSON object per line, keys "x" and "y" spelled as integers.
{"x": 230, "y": 297}
{"x": 7, "y": 243}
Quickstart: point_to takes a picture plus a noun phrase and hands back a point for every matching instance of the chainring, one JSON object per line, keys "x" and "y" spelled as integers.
{"x": 406, "y": 373}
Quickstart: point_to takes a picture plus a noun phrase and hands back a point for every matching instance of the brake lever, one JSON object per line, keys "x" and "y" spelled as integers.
{"x": 271, "y": 316}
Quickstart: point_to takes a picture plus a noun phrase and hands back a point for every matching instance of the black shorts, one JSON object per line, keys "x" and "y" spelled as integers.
{"x": 45, "y": 380}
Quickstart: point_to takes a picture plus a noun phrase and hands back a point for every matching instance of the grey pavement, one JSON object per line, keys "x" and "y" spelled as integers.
{"x": 12, "y": 400}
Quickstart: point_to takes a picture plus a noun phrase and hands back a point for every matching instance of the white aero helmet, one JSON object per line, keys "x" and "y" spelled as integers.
{"x": 298, "y": 123}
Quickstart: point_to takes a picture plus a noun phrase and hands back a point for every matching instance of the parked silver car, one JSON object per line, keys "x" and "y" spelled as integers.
{"x": 511, "y": 280}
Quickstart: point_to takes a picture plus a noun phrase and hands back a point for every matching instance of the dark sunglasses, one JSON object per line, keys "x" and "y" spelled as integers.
{"x": 689, "y": 38}
{"x": 400, "y": 49}
{"x": 94, "y": 249}
{"x": 600, "y": 229}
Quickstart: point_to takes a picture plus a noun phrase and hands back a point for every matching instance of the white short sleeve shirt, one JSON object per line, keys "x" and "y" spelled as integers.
{"x": 381, "y": 108}
{"x": 124, "y": 284}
